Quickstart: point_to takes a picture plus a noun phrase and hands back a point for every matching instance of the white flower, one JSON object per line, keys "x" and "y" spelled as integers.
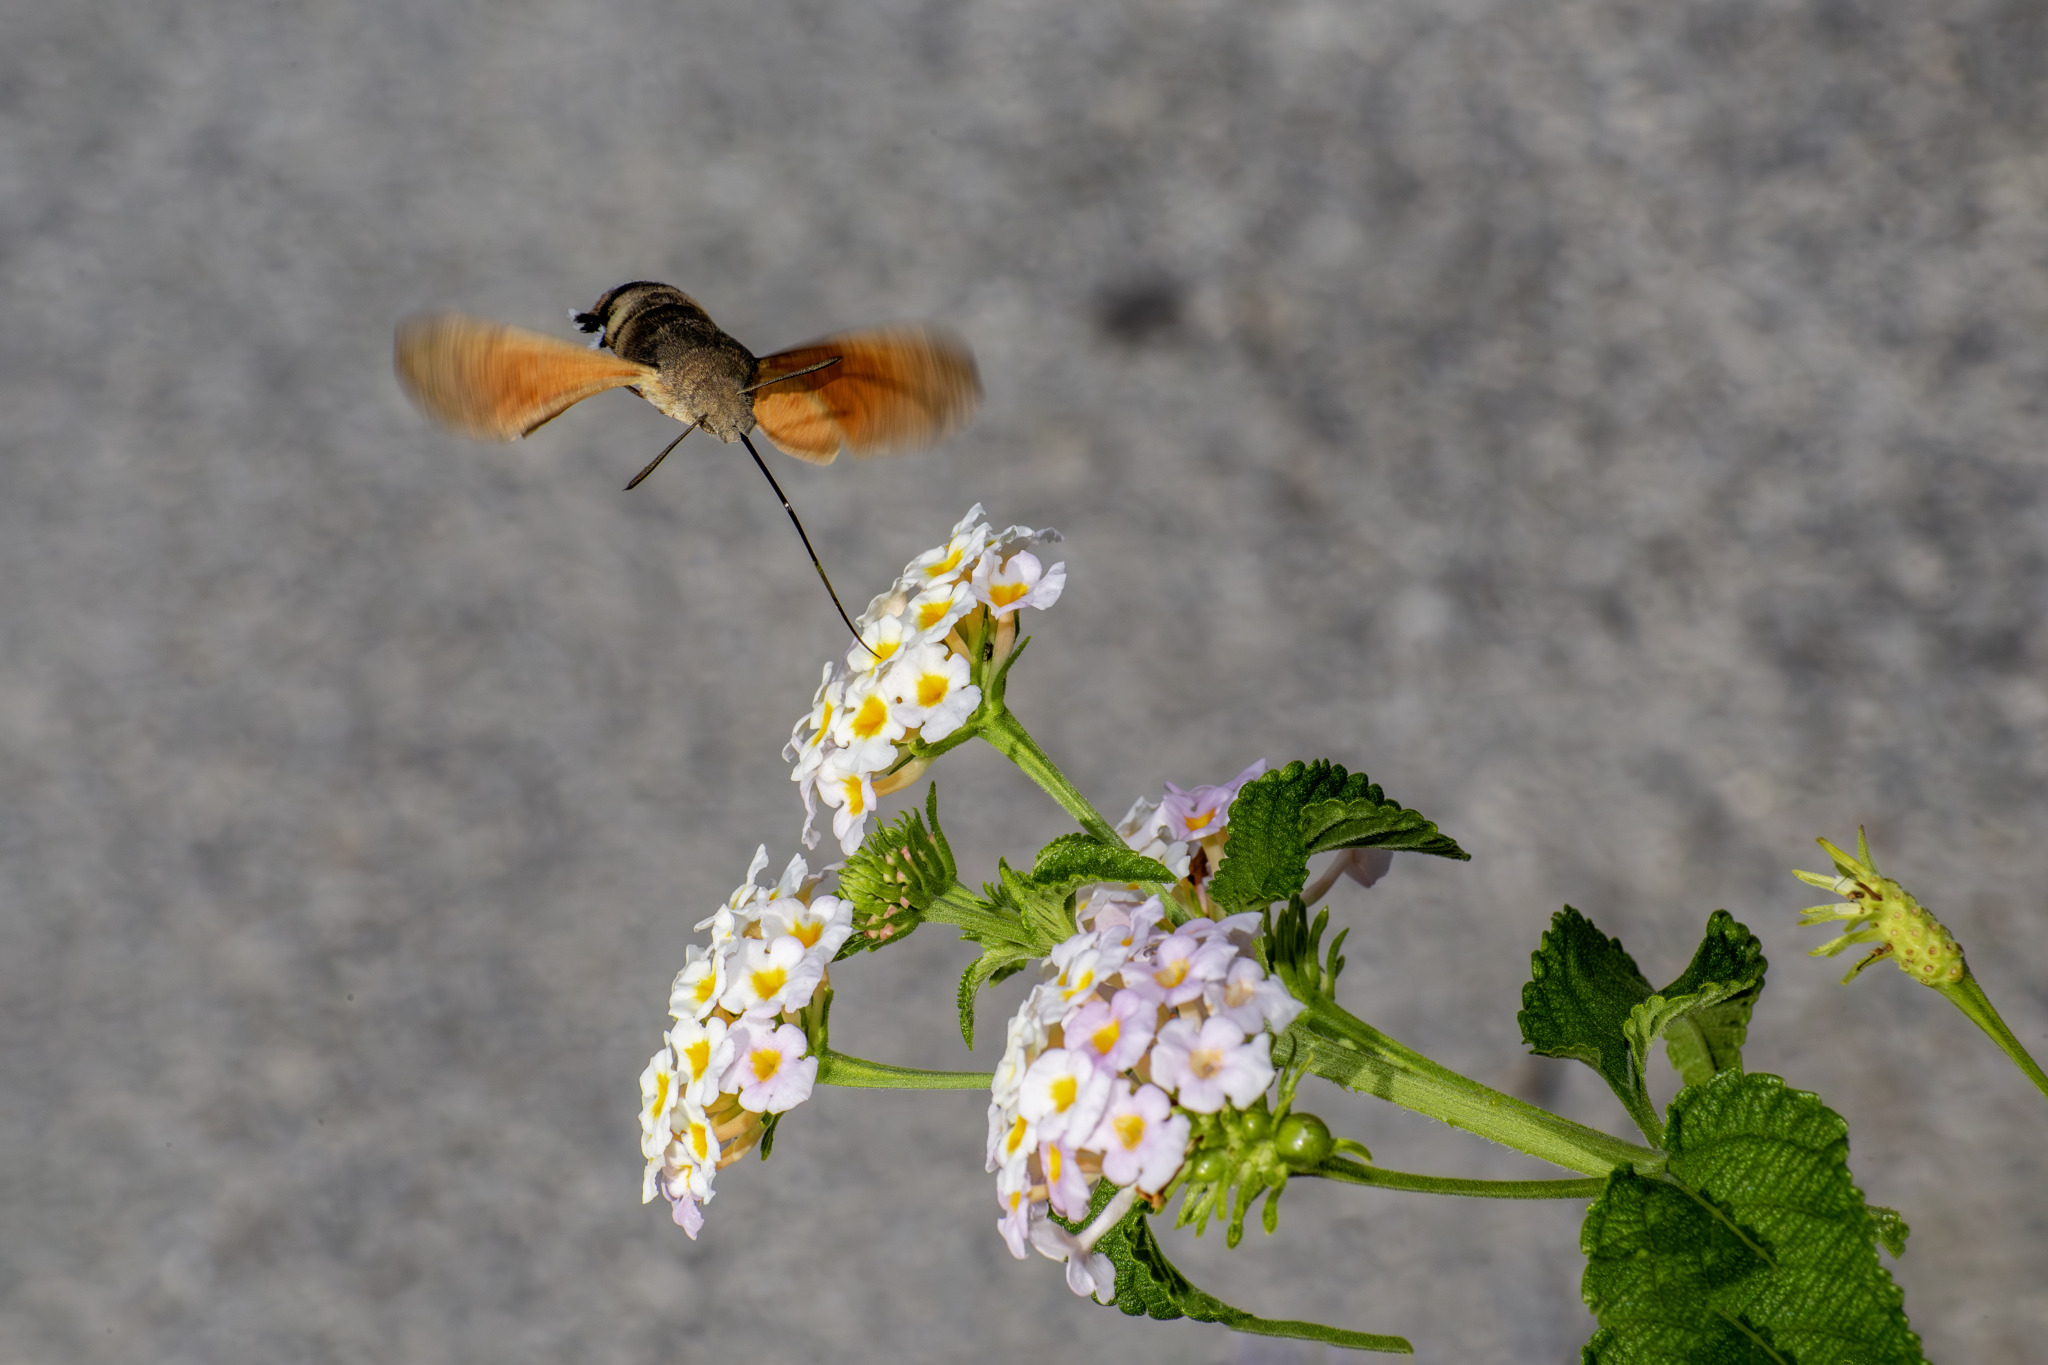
{"x": 850, "y": 791}
{"x": 871, "y": 722}
{"x": 1207, "y": 1066}
{"x": 693, "y": 1159}
{"x": 807, "y": 741}
{"x": 770, "y": 976}
{"x": 658, "y": 1094}
{"x": 1025, "y": 1040}
{"x": 1011, "y": 1137}
{"x": 822, "y": 926}
{"x": 949, "y": 562}
{"x": 769, "y": 1070}
{"x": 689, "y": 1217}
{"x": 699, "y": 984}
{"x": 1015, "y": 1224}
{"x": 1021, "y": 581}
{"x": 1065, "y": 1183}
{"x": 1144, "y": 829}
{"x": 1142, "y": 1140}
{"x": 879, "y": 641}
{"x": 703, "y": 1051}
{"x": 932, "y": 614}
{"x": 1063, "y": 1094}
{"x": 931, "y": 691}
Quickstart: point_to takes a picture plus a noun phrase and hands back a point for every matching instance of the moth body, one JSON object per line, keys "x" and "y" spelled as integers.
{"x": 699, "y": 371}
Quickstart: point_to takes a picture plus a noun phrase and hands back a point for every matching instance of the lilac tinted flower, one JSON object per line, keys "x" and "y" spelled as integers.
{"x": 1011, "y": 1137}
{"x": 1205, "y": 1068}
{"x": 1089, "y": 1272}
{"x": 1250, "y": 999}
{"x": 1065, "y": 1185}
{"x": 1015, "y": 1224}
{"x": 687, "y": 1215}
{"x": 1142, "y": 1140}
{"x": 1178, "y": 966}
{"x": 1115, "y": 1031}
{"x": 769, "y": 1069}
{"x": 1063, "y": 1093}
{"x": 1202, "y": 811}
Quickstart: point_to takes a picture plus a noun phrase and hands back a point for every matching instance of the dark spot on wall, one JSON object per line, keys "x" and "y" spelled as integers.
{"x": 1139, "y": 311}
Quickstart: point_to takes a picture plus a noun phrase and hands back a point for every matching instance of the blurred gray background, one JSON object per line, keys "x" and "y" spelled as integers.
{"x": 1616, "y": 427}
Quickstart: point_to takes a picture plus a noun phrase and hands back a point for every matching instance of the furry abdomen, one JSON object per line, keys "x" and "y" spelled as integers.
{"x": 701, "y": 369}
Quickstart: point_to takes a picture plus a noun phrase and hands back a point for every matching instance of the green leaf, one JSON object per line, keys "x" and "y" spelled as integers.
{"x": 1704, "y": 1015}
{"x": 1074, "y": 860}
{"x": 1891, "y": 1230}
{"x": 1759, "y": 1248}
{"x": 997, "y": 961}
{"x": 1280, "y": 819}
{"x": 1149, "y": 1285}
{"x": 1582, "y": 989}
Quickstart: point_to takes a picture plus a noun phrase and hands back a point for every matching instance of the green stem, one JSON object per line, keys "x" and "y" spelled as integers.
{"x": 1357, "y": 1173}
{"x": 1967, "y": 996}
{"x": 836, "y": 1068}
{"x": 1010, "y": 739}
{"x": 970, "y": 914}
{"x": 1339, "y": 1046}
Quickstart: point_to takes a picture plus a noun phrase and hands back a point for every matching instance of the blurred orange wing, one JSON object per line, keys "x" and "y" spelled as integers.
{"x": 894, "y": 389}
{"x": 494, "y": 382}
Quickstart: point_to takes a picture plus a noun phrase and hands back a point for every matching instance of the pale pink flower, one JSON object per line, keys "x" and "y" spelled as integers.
{"x": 1202, "y": 811}
{"x": 1115, "y": 1031}
{"x": 1066, "y": 1186}
{"x": 1015, "y": 1224}
{"x": 1250, "y": 999}
{"x": 769, "y": 1070}
{"x": 687, "y": 1215}
{"x": 1142, "y": 1140}
{"x": 1089, "y": 1272}
{"x": 1178, "y": 967}
{"x": 1205, "y": 1068}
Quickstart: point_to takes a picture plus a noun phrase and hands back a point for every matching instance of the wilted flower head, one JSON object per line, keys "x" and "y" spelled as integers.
{"x": 1882, "y": 912}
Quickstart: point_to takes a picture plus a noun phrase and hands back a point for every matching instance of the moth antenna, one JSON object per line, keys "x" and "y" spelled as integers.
{"x": 793, "y": 374}
{"x": 658, "y": 459}
{"x": 801, "y": 535}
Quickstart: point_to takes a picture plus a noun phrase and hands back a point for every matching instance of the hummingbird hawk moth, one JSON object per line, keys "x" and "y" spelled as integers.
{"x": 872, "y": 392}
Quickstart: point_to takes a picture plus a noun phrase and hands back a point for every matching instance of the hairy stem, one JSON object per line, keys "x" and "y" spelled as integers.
{"x": 1012, "y": 741}
{"x": 1338, "y": 1046}
{"x": 836, "y": 1068}
{"x": 1357, "y": 1173}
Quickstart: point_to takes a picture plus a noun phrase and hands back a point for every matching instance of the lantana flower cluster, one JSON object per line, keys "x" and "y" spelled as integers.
{"x": 738, "y": 1050}
{"x": 910, "y": 676}
{"x": 1136, "y": 1024}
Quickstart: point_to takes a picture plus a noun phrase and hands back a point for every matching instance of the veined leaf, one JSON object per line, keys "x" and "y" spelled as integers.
{"x": 1582, "y": 988}
{"x": 1759, "y": 1248}
{"x": 1704, "y": 1015}
{"x": 1279, "y": 820}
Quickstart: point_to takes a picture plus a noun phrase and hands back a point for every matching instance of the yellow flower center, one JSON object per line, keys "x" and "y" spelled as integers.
{"x": 766, "y": 982}
{"x": 707, "y": 986}
{"x": 660, "y": 1100}
{"x": 951, "y": 562}
{"x": 700, "y": 1141}
{"x": 1205, "y": 1062}
{"x": 807, "y": 931}
{"x": 1239, "y": 992}
{"x": 1052, "y": 1165}
{"x": 1172, "y": 974}
{"x": 932, "y": 689}
{"x": 1063, "y": 1091}
{"x": 766, "y": 1062}
{"x": 872, "y": 716}
{"x": 1129, "y": 1130}
{"x": 698, "y": 1055}
{"x": 854, "y": 804}
{"x": 931, "y": 613}
{"x": 824, "y": 724}
{"x": 1104, "y": 1038}
{"x": 1002, "y": 594}
{"x": 1200, "y": 822}
{"x": 1016, "y": 1137}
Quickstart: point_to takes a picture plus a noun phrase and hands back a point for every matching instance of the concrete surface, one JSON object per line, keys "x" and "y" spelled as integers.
{"x": 1617, "y": 427}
